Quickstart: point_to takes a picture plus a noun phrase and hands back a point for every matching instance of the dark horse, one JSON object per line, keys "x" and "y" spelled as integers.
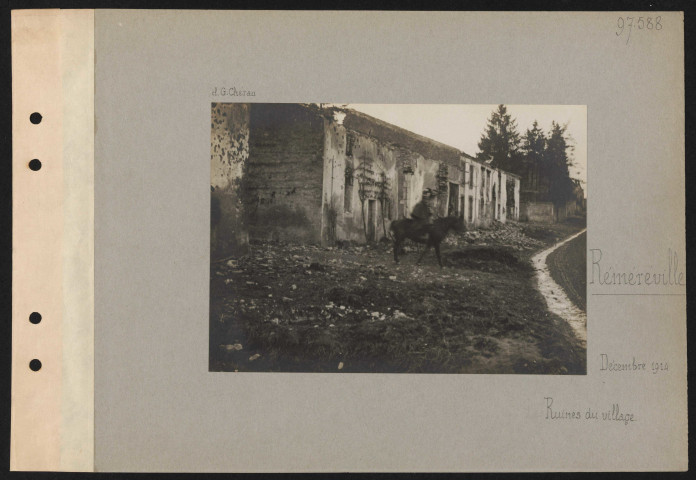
{"x": 431, "y": 235}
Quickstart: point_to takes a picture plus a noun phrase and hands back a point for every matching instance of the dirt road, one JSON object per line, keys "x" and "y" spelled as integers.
{"x": 564, "y": 265}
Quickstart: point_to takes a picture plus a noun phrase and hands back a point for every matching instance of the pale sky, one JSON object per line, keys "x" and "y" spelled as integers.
{"x": 461, "y": 126}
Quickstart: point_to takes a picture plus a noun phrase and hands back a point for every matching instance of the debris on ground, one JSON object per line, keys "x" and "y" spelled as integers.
{"x": 311, "y": 308}
{"x": 510, "y": 234}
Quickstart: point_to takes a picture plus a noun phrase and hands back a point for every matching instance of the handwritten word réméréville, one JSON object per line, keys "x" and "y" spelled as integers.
{"x": 671, "y": 275}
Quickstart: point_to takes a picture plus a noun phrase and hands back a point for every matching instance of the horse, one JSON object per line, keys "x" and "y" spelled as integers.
{"x": 432, "y": 235}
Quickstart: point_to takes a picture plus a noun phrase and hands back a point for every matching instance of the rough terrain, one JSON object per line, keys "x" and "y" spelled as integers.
{"x": 349, "y": 308}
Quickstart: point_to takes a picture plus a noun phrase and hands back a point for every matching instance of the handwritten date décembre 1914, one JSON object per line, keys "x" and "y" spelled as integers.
{"x": 633, "y": 365}
{"x": 626, "y": 25}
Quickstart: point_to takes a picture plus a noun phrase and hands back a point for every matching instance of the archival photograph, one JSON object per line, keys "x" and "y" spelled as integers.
{"x": 398, "y": 238}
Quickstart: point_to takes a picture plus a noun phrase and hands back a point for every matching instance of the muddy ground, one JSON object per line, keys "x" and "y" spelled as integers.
{"x": 350, "y": 308}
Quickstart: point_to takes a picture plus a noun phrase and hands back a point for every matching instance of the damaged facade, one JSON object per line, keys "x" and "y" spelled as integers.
{"x": 297, "y": 172}
{"x": 535, "y": 197}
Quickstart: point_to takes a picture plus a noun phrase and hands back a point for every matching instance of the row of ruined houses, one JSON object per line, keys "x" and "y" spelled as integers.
{"x": 300, "y": 172}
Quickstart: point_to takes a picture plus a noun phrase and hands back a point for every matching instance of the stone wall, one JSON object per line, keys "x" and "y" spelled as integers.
{"x": 568, "y": 210}
{"x": 356, "y": 205}
{"x": 281, "y": 186}
{"x": 229, "y": 150}
{"x": 540, "y": 212}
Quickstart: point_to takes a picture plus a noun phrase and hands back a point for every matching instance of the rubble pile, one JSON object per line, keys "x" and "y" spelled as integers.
{"x": 510, "y": 234}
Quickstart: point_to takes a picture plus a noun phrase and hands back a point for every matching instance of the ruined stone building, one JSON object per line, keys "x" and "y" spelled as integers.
{"x": 535, "y": 198}
{"x": 303, "y": 173}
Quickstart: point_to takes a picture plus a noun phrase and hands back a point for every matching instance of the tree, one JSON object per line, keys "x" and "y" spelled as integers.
{"x": 500, "y": 142}
{"x": 534, "y": 144}
{"x": 558, "y": 159}
{"x": 533, "y": 151}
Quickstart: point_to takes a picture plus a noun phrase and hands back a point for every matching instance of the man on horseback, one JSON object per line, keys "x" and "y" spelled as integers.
{"x": 422, "y": 213}
{"x": 422, "y": 228}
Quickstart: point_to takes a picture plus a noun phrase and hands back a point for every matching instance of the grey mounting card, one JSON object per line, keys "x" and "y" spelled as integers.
{"x": 348, "y": 241}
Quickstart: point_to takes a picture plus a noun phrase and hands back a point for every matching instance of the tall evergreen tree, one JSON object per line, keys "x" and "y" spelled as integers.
{"x": 534, "y": 144}
{"x": 533, "y": 151}
{"x": 557, "y": 161}
{"x": 500, "y": 142}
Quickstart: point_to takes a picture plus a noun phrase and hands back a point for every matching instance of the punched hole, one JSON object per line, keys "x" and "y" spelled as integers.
{"x": 35, "y": 365}
{"x": 35, "y": 318}
{"x": 35, "y": 164}
{"x": 35, "y": 118}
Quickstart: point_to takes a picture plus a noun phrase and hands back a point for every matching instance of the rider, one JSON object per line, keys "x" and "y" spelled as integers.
{"x": 422, "y": 212}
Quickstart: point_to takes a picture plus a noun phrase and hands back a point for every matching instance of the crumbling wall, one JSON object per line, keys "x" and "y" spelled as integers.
{"x": 482, "y": 196}
{"x": 512, "y": 196}
{"x": 495, "y": 196}
{"x": 503, "y": 197}
{"x": 229, "y": 150}
{"x": 456, "y": 176}
{"x": 346, "y": 206}
{"x": 567, "y": 210}
{"x": 282, "y": 181}
{"x": 517, "y": 198}
{"x": 471, "y": 193}
{"x": 479, "y": 195}
{"x": 425, "y": 176}
{"x": 411, "y": 180}
{"x": 539, "y": 212}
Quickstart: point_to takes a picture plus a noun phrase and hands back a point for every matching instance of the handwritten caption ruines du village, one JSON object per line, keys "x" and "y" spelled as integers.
{"x": 614, "y": 413}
